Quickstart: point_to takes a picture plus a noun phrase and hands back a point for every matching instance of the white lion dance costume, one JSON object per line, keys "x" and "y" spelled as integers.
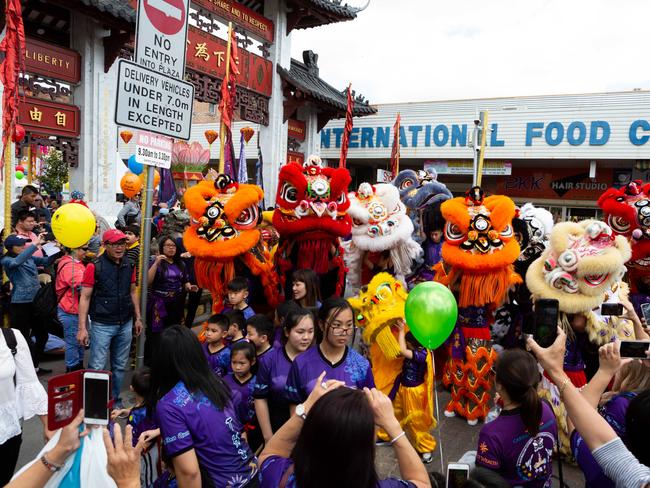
{"x": 381, "y": 236}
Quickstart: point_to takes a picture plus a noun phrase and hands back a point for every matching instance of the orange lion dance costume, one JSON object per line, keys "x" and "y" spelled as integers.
{"x": 480, "y": 249}
{"x": 225, "y": 240}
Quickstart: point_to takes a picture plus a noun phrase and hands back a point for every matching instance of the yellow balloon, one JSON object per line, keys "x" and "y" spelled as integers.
{"x": 73, "y": 224}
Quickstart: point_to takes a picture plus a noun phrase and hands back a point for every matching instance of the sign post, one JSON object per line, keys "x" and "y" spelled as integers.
{"x": 151, "y": 96}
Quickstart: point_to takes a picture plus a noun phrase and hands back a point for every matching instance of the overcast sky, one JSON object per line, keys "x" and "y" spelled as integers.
{"x": 416, "y": 50}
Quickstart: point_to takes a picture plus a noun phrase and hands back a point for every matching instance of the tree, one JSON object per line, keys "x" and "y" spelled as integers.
{"x": 54, "y": 173}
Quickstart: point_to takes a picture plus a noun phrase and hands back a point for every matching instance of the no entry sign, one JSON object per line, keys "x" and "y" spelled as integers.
{"x": 161, "y": 36}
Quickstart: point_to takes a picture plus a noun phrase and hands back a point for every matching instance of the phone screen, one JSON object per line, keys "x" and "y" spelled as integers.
{"x": 456, "y": 478}
{"x": 634, "y": 349}
{"x": 546, "y": 314}
{"x": 96, "y": 398}
{"x": 645, "y": 310}
{"x": 611, "y": 309}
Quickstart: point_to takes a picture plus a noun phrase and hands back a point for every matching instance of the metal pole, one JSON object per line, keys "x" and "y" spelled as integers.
{"x": 484, "y": 130}
{"x": 145, "y": 249}
{"x": 475, "y": 149}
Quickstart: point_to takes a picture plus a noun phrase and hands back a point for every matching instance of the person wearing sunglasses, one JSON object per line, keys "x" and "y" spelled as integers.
{"x": 332, "y": 355}
{"x": 69, "y": 275}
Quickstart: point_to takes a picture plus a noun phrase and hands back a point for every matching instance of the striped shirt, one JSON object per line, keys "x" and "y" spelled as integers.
{"x": 620, "y": 465}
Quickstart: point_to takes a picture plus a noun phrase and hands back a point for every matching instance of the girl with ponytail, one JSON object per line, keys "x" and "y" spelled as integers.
{"x": 519, "y": 443}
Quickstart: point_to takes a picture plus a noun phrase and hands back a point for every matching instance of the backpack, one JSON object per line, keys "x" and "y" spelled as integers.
{"x": 12, "y": 344}
{"x": 46, "y": 301}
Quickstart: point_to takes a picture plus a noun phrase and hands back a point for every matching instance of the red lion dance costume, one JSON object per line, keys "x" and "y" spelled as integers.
{"x": 627, "y": 212}
{"x": 225, "y": 240}
{"x": 311, "y": 216}
{"x": 480, "y": 248}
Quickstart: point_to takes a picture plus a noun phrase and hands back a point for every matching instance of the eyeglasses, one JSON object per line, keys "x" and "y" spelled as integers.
{"x": 117, "y": 244}
{"x": 340, "y": 331}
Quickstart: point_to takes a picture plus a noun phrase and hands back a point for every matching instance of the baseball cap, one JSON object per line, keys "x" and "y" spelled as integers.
{"x": 113, "y": 235}
{"x": 14, "y": 240}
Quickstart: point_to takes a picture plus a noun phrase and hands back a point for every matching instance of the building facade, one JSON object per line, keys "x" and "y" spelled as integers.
{"x": 559, "y": 151}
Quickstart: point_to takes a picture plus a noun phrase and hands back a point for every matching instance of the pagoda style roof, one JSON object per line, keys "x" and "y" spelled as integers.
{"x": 120, "y": 9}
{"x": 313, "y": 13}
{"x": 302, "y": 84}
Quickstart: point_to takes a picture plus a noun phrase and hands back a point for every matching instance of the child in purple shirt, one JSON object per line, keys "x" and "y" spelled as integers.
{"x": 237, "y": 328}
{"x": 237, "y": 296}
{"x": 259, "y": 332}
{"x": 332, "y": 355}
{"x": 271, "y": 403}
{"x": 242, "y": 383}
{"x": 519, "y": 443}
{"x": 217, "y": 354}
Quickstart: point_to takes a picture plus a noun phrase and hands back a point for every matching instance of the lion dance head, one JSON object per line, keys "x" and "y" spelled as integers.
{"x": 224, "y": 237}
{"x": 310, "y": 216}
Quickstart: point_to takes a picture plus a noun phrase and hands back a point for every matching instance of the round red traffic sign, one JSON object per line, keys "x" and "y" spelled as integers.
{"x": 167, "y": 16}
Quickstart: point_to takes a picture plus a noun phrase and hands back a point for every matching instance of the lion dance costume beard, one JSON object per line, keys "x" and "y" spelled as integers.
{"x": 480, "y": 248}
{"x": 379, "y": 225}
{"x": 376, "y": 310}
{"x": 224, "y": 239}
{"x": 627, "y": 211}
{"x": 311, "y": 216}
{"x": 581, "y": 268}
{"x": 419, "y": 190}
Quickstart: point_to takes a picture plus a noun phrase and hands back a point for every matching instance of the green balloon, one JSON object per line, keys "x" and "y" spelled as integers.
{"x": 20, "y": 175}
{"x": 431, "y": 312}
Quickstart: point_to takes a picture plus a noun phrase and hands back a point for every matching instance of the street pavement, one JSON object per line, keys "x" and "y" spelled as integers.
{"x": 454, "y": 438}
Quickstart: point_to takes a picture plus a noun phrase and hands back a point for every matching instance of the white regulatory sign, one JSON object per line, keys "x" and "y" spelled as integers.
{"x": 161, "y": 36}
{"x": 153, "y": 102}
{"x": 153, "y": 150}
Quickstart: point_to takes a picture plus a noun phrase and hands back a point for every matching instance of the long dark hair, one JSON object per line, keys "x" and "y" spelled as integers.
{"x": 177, "y": 257}
{"x": 637, "y": 426}
{"x": 517, "y": 373}
{"x": 336, "y": 446}
{"x": 332, "y": 306}
{"x": 180, "y": 358}
{"x": 312, "y": 287}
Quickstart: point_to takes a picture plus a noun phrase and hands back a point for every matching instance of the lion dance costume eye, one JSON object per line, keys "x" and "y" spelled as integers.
{"x": 310, "y": 216}
{"x": 581, "y": 268}
{"x": 380, "y": 227}
{"x": 478, "y": 253}
{"x": 225, "y": 240}
{"x": 377, "y": 308}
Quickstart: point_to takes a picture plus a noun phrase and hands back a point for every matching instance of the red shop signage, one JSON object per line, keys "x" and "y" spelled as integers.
{"x": 250, "y": 20}
{"x": 207, "y": 54}
{"x": 296, "y": 157}
{"x": 49, "y": 118}
{"x": 553, "y": 183}
{"x": 52, "y": 61}
{"x": 297, "y": 129}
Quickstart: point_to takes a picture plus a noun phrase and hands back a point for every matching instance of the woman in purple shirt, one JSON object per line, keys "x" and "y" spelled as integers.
{"x": 168, "y": 281}
{"x": 332, "y": 355}
{"x": 199, "y": 425}
{"x": 330, "y": 442}
{"x": 519, "y": 443}
{"x": 271, "y": 403}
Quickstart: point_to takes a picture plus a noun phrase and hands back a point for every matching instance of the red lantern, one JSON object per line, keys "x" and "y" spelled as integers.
{"x": 248, "y": 133}
{"x": 20, "y": 167}
{"x": 19, "y": 133}
{"x": 210, "y": 135}
{"x": 126, "y": 136}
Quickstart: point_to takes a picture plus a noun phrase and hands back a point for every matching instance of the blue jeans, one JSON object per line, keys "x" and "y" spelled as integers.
{"x": 74, "y": 352}
{"x": 117, "y": 340}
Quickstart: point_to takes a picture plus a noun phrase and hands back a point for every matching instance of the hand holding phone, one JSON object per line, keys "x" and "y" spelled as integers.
{"x": 96, "y": 398}
{"x": 545, "y": 320}
{"x": 457, "y": 475}
{"x": 615, "y": 309}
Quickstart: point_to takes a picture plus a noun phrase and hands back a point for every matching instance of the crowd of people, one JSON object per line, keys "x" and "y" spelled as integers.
{"x": 288, "y": 394}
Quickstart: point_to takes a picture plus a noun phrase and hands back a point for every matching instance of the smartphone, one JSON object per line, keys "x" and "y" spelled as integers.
{"x": 611, "y": 309}
{"x": 96, "y": 398}
{"x": 645, "y": 310}
{"x": 635, "y": 349}
{"x": 457, "y": 475}
{"x": 547, "y": 311}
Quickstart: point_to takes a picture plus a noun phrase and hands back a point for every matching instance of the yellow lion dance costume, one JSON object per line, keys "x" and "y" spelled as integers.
{"x": 480, "y": 248}
{"x": 377, "y": 308}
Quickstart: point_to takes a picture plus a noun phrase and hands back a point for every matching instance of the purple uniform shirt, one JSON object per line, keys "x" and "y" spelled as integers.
{"x": 248, "y": 311}
{"x": 614, "y": 412}
{"x": 219, "y": 361}
{"x": 414, "y": 370}
{"x": 272, "y": 373}
{"x": 504, "y": 446}
{"x": 353, "y": 369}
{"x": 190, "y": 421}
{"x": 274, "y": 467}
{"x": 242, "y": 396}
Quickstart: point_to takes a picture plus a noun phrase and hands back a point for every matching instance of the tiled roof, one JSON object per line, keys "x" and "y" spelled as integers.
{"x": 334, "y": 7}
{"x": 121, "y": 9}
{"x": 313, "y": 13}
{"x": 304, "y": 77}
